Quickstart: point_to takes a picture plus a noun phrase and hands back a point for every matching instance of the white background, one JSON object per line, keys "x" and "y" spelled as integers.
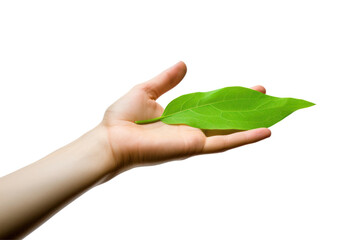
{"x": 63, "y": 62}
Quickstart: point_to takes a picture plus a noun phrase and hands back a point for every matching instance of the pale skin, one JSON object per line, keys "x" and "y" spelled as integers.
{"x": 31, "y": 195}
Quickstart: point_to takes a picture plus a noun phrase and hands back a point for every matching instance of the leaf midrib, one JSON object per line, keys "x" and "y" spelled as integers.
{"x": 208, "y": 104}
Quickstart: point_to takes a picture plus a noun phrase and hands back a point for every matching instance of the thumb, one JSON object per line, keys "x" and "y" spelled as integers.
{"x": 165, "y": 81}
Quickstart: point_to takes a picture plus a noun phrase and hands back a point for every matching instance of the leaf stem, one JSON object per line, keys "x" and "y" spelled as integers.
{"x": 149, "y": 120}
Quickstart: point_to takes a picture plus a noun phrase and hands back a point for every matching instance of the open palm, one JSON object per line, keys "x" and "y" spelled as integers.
{"x": 134, "y": 145}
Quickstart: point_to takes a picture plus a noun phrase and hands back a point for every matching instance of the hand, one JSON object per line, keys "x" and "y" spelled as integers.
{"x": 136, "y": 145}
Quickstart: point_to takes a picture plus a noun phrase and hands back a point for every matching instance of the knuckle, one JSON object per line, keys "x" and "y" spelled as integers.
{"x": 146, "y": 88}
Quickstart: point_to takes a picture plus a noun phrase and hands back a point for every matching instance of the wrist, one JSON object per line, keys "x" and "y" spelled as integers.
{"x": 102, "y": 156}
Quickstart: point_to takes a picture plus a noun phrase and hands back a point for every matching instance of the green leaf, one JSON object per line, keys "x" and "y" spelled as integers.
{"x": 229, "y": 108}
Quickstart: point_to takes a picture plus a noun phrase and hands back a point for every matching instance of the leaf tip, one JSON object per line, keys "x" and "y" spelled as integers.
{"x": 310, "y": 104}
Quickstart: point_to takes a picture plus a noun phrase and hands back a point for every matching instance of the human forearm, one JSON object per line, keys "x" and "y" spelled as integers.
{"x": 31, "y": 195}
{"x": 34, "y": 193}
